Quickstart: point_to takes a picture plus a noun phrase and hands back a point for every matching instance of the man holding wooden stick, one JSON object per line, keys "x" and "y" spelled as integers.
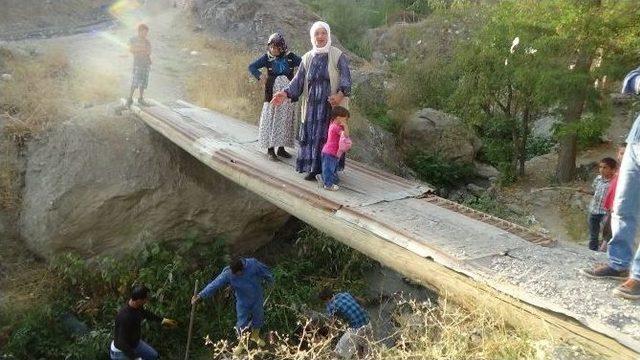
{"x": 245, "y": 277}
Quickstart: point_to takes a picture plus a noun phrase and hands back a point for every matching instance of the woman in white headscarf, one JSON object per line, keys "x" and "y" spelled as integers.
{"x": 323, "y": 80}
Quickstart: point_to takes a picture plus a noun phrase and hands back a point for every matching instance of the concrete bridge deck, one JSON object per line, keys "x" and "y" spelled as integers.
{"x": 476, "y": 259}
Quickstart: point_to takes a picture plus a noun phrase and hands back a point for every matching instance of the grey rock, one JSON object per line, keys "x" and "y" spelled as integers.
{"x": 436, "y": 132}
{"x": 476, "y": 189}
{"x": 377, "y": 147}
{"x": 100, "y": 184}
{"x": 73, "y": 325}
{"x": 543, "y": 127}
{"x": 485, "y": 170}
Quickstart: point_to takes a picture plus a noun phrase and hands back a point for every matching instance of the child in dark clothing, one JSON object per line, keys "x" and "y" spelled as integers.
{"x": 597, "y": 212}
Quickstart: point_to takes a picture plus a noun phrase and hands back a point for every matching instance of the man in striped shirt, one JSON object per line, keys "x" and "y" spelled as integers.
{"x": 344, "y": 306}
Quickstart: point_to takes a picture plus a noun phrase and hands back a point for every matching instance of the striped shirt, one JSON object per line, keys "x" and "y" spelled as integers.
{"x": 346, "y": 307}
{"x": 600, "y": 187}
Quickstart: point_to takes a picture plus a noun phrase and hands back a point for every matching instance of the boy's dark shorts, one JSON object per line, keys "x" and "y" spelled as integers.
{"x": 140, "y": 77}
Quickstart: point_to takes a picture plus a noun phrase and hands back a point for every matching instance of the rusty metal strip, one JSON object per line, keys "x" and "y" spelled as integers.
{"x": 245, "y": 166}
{"x": 382, "y": 175}
{"x": 518, "y": 230}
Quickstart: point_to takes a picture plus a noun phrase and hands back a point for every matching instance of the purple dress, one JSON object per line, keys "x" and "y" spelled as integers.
{"x": 313, "y": 132}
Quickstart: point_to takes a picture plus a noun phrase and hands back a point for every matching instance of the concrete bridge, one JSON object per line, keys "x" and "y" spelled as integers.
{"x": 473, "y": 258}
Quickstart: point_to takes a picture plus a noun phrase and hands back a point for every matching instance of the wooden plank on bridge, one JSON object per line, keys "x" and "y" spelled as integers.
{"x": 476, "y": 259}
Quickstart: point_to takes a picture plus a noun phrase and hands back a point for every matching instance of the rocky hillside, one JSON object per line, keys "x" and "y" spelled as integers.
{"x": 251, "y": 22}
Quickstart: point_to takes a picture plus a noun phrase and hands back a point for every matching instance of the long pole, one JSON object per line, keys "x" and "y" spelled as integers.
{"x": 193, "y": 311}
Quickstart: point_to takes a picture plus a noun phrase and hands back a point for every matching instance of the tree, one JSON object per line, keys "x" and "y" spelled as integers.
{"x": 504, "y": 82}
{"x": 564, "y": 47}
{"x": 596, "y": 38}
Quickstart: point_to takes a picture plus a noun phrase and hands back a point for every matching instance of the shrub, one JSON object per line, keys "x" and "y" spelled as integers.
{"x": 94, "y": 290}
{"x": 438, "y": 171}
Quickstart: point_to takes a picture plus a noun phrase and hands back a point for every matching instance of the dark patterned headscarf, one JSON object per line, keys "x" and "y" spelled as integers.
{"x": 277, "y": 40}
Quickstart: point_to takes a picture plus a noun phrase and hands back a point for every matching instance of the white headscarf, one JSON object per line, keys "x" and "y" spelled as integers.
{"x": 317, "y": 25}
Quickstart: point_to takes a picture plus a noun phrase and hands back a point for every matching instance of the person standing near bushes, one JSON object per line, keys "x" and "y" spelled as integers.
{"x": 623, "y": 255}
{"x": 322, "y": 81}
{"x": 276, "y": 123}
{"x": 245, "y": 276}
{"x": 597, "y": 212}
{"x": 127, "y": 344}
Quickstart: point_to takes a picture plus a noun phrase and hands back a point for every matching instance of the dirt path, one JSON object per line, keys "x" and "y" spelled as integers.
{"x": 560, "y": 210}
{"x": 103, "y": 56}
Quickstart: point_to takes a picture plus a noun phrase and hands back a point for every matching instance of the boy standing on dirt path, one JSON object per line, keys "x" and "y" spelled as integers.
{"x": 140, "y": 47}
{"x": 606, "y": 170}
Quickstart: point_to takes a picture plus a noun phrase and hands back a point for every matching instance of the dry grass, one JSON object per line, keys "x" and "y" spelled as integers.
{"x": 224, "y": 84}
{"x": 94, "y": 87}
{"x": 31, "y": 97}
{"x": 423, "y": 331}
{"x": 45, "y": 89}
{"x": 9, "y": 199}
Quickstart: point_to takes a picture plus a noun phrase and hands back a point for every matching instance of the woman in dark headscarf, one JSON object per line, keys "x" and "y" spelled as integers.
{"x": 323, "y": 80}
{"x": 276, "y": 123}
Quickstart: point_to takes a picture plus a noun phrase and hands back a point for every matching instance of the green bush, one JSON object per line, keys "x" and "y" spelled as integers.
{"x": 537, "y": 146}
{"x": 93, "y": 291}
{"x": 436, "y": 170}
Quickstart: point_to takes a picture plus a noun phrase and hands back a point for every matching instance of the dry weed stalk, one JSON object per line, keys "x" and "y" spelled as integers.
{"x": 422, "y": 330}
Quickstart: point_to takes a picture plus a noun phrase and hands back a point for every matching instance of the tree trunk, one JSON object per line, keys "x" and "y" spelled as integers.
{"x": 523, "y": 140}
{"x": 566, "y": 167}
{"x": 515, "y": 139}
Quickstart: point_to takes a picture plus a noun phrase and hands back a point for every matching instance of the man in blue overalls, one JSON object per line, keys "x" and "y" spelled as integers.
{"x": 245, "y": 277}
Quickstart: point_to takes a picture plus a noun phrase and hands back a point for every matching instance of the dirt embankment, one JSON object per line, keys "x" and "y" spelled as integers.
{"x": 20, "y": 19}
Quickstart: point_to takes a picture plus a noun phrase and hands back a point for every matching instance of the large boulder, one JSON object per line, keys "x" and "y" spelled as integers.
{"x": 103, "y": 184}
{"x": 376, "y": 147}
{"x": 436, "y": 132}
{"x": 251, "y": 22}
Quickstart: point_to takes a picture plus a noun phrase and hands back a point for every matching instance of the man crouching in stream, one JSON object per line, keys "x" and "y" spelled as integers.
{"x": 355, "y": 339}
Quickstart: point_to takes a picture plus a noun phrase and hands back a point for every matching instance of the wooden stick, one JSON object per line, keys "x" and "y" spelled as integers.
{"x": 193, "y": 311}
{"x": 555, "y": 188}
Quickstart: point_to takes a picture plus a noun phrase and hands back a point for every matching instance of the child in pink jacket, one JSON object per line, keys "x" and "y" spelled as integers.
{"x": 338, "y": 142}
